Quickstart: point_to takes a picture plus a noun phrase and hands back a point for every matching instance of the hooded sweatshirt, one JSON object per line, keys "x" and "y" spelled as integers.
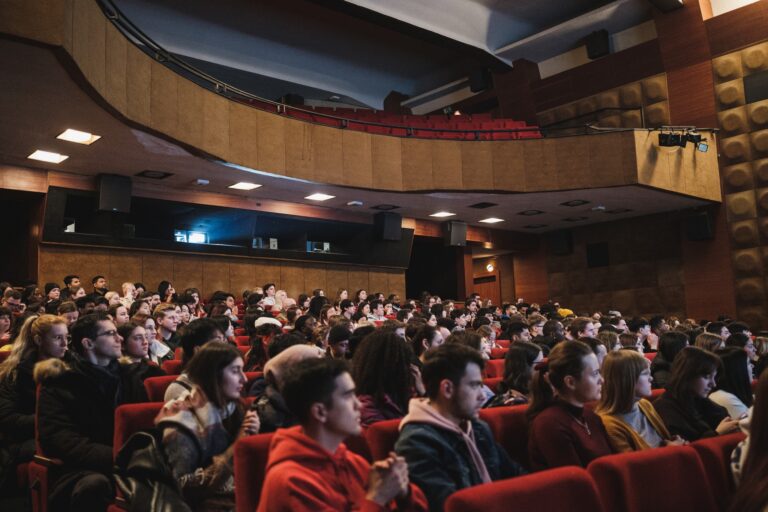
{"x": 303, "y": 476}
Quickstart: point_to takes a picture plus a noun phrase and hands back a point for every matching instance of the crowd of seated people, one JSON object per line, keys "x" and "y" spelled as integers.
{"x": 327, "y": 368}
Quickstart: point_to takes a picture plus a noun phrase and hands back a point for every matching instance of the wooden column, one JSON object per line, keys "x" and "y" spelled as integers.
{"x": 515, "y": 92}
{"x": 530, "y": 270}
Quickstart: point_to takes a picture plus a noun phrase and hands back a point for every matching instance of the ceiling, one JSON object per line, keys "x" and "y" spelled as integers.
{"x": 361, "y": 50}
{"x": 41, "y": 98}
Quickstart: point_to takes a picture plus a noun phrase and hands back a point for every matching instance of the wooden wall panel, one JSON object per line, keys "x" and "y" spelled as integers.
{"x": 508, "y": 167}
{"x": 576, "y": 153}
{"x": 738, "y": 28}
{"x": 292, "y": 279}
{"x": 187, "y": 273}
{"x": 163, "y": 103}
{"x": 358, "y": 280}
{"x": 447, "y": 172}
{"x": 271, "y": 143}
{"x": 327, "y": 155}
{"x": 545, "y": 175}
{"x": 216, "y": 125}
{"x": 337, "y": 278}
{"x": 215, "y": 275}
{"x": 387, "y": 163}
{"x": 116, "y": 63}
{"x": 417, "y": 164}
{"x": 299, "y": 149}
{"x": 41, "y": 20}
{"x": 124, "y": 268}
{"x": 242, "y": 277}
{"x": 157, "y": 268}
{"x": 267, "y": 272}
{"x": 139, "y": 78}
{"x": 190, "y": 129}
{"x": 357, "y": 159}
{"x": 378, "y": 281}
{"x": 530, "y": 275}
{"x": 477, "y": 166}
{"x": 315, "y": 277}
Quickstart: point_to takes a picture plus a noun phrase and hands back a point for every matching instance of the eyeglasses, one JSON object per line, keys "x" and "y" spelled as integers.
{"x": 63, "y": 337}
{"x": 111, "y": 333}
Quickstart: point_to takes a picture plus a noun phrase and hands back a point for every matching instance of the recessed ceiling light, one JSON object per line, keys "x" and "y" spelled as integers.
{"x": 574, "y": 202}
{"x": 385, "y": 207}
{"x": 244, "y": 185}
{"x": 78, "y": 137}
{"x": 483, "y": 205}
{"x": 530, "y": 212}
{"x": 492, "y": 220}
{"x": 442, "y": 214}
{"x": 319, "y": 197}
{"x": 574, "y": 219}
{"x": 355, "y": 203}
{"x": 154, "y": 175}
{"x": 535, "y": 226}
{"x": 618, "y": 210}
{"x": 47, "y": 156}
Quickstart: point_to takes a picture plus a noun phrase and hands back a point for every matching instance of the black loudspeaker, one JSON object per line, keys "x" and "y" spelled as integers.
{"x": 480, "y": 80}
{"x": 598, "y": 44}
{"x": 560, "y": 243}
{"x": 699, "y": 227}
{"x": 388, "y": 225}
{"x": 128, "y": 231}
{"x": 114, "y": 193}
{"x": 295, "y": 100}
{"x": 455, "y": 233}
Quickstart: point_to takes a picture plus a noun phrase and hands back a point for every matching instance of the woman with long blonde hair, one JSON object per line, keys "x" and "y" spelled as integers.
{"x": 40, "y": 338}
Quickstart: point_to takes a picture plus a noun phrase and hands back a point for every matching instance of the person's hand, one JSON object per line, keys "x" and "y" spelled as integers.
{"x": 727, "y": 426}
{"x": 251, "y": 424}
{"x": 514, "y": 397}
{"x": 418, "y": 383}
{"x": 387, "y": 480}
{"x": 677, "y": 441}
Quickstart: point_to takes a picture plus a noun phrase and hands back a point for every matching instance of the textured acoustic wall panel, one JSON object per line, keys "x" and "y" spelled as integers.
{"x": 741, "y": 205}
{"x": 730, "y": 94}
{"x": 734, "y": 121}
{"x": 651, "y": 94}
{"x": 727, "y": 68}
{"x": 738, "y": 177}
{"x": 748, "y": 262}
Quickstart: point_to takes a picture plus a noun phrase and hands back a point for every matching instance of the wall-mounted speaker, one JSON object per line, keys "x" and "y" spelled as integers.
{"x": 388, "y": 226}
{"x": 699, "y": 227}
{"x": 598, "y": 44}
{"x": 480, "y": 80}
{"x": 114, "y": 193}
{"x": 560, "y": 243}
{"x": 455, "y": 233}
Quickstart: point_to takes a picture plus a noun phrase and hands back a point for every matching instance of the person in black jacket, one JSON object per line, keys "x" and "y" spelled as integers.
{"x": 446, "y": 446}
{"x": 76, "y": 410}
{"x": 684, "y": 406}
{"x": 670, "y": 344}
{"x": 40, "y": 338}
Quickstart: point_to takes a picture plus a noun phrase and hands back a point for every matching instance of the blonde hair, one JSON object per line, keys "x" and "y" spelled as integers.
{"x": 161, "y": 309}
{"x": 621, "y": 370}
{"x": 708, "y": 341}
{"x": 24, "y": 344}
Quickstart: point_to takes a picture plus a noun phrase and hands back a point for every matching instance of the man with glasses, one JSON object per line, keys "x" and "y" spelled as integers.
{"x": 76, "y": 412}
{"x": 12, "y": 301}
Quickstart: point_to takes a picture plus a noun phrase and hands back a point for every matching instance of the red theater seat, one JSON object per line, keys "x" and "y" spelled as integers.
{"x": 243, "y": 341}
{"x": 499, "y": 353}
{"x": 172, "y": 367}
{"x": 509, "y": 426}
{"x": 494, "y": 368}
{"x": 493, "y": 383}
{"x": 650, "y": 355}
{"x": 715, "y": 455}
{"x": 503, "y": 343}
{"x": 131, "y": 418}
{"x": 668, "y": 479}
{"x": 656, "y": 393}
{"x": 251, "y": 455}
{"x": 569, "y": 488}
{"x": 156, "y": 386}
{"x": 381, "y": 438}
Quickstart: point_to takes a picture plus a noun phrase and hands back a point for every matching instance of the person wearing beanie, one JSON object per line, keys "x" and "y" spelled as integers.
{"x": 338, "y": 342}
{"x": 52, "y": 292}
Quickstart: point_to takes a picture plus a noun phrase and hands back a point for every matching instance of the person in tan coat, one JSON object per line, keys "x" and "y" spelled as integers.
{"x": 629, "y": 418}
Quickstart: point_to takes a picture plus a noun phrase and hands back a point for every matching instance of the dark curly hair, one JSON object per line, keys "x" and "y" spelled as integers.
{"x": 381, "y": 366}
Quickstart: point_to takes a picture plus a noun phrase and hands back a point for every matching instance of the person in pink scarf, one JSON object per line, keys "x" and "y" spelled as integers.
{"x": 446, "y": 446}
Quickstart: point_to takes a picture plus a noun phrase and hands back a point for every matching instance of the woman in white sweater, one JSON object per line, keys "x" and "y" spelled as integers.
{"x": 734, "y": 388}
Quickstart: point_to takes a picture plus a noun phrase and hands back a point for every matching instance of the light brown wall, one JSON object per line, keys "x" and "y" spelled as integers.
{"x": 210, "y": 273}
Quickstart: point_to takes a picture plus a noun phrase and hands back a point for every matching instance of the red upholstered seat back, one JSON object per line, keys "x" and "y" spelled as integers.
{"x": 381, "y": 437}
{"x": 569, "y": 488}
{"x": 494, "y": 368}
{"x": 243, "y": 341}
{"x": 715, "y": 455}
{"x": 493, "y": 383}
{"x": 499, "y": 353}
{"x": 675, "y": 473}
{"x": 509, "y": 426}
{"x": 131, "y": 418}
{"x": 251, "y": 455}
{"x": 156, "y": 386}
{"x": 172, "y": 366}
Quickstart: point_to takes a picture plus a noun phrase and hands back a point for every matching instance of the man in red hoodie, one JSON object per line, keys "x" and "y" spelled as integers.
{"x": 310, "y": 469}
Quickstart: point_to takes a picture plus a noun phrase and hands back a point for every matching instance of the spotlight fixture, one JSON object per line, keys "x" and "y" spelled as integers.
{"x": 492, "y": 220}
{"x": 671, "y": 137}
{"x": 355, "y": 203}
{"x": 574, "y": 219}
{"x": 244, "y": 185}
{"x": 575, "y": 202}
{"x": 528, "y": 213}
{"x": 618, "y": 210}
{"x": 442, "y": 214}
{"x": 154, "y": 175}
{"x": 483, "y": 205}
{"x": 385, "y": 207}
{"x": 319, "y": 197}
{"x": 47, "y": 156}
{"x": 489, "y": 267}
{"x": 535, "y": 226}
{"x": 78, "y": 137}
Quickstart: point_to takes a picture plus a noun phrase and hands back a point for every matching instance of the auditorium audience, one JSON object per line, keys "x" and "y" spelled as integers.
{"x": 709, "y": 342}
{"x": 684, "y": 406}
{"x": 201, "y": 425}
{"x": 670, "y": 344}
{"x": 734, "y": 383}
{"x": 519, "y": 361}
{"x": 5, "y": 325}
{"x": 628, "y": 416}
{"x": 446, "y": 446}
{"x": 193, "y": 338}
{"x": 425, "y": 339}
{"x": 135, "y": 362}
{"x": 562, "y": 431}
{"x": 310, "y": 469}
